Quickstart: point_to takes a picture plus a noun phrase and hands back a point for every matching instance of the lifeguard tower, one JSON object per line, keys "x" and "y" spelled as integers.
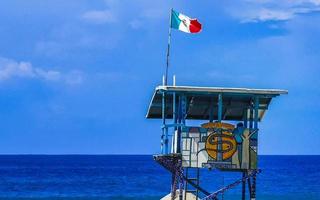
{"x": 226, "y": 139}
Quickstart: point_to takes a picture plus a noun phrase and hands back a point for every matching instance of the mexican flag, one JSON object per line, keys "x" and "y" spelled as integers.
{"x": 184, "y": 23}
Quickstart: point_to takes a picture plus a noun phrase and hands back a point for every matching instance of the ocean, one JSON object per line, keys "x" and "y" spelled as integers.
{"x": 129, "y": 177}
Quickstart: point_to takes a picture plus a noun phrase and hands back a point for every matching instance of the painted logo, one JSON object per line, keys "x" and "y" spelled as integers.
{"x": 220, "y": 140}
{"x": 225, "y": 144}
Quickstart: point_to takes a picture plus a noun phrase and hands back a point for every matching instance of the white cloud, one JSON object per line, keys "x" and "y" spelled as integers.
{"x": 268, "y": 14}
{"x": 272, "y": 10}
{"x": 127, "y": 12}
{"x": 99, "y": 16}
{"x": 10, "y": 69}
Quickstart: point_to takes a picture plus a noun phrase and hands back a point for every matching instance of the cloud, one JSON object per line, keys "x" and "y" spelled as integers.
{"x": 10, "y": 69}
{"x": 126, "y": 12}
{"x": 99, "y": 16}
{"x": 269, "y": 14}
{"x": 272, "y": 10}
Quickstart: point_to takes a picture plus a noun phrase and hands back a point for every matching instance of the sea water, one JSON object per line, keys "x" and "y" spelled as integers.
{"x": 131, "y": 177}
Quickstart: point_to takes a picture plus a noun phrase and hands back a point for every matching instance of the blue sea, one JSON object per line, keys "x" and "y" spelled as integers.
{"x": 139, "y": 177}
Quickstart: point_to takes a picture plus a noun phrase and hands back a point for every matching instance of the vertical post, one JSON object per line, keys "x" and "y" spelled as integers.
{"x": 256, "y": 112}
{"x": 220, "y": 107}
{"x": 183, "y": 121}
{"x": 251, "y": 115}
{"x": 168, "y": 49}
{"x": 250, "y": 188}
{"x": 181, "y": 185}
{"x": 186, "y": 183}
{"x": 179, "y": 122}
{"x": 174, "y": 117}
{"x": 211, "y": 114}
{"x": 166, "y": 141}
{"x": 253, "y": 189}
{"x": 198, "y": 182}
{"x": 243, "y": 186}
{"x": 163, "y": 146}
{"x": 219, "y": 154}
{"x": 184, "y": 109}
{"x": 256, "y": 120}
{"x": 245, "y": 122}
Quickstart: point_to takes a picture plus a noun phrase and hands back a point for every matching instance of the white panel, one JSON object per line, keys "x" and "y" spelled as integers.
{"x": 186, "y": 144}
{"x": 202, "y": 145}
{"x": 194, "y": 160}
{"x": 194, "y": 148}
{"x": 194, "y": 135}
{"x": 202, "y": 158}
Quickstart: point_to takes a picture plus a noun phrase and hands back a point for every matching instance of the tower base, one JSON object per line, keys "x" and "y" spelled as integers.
{"x": 189, "y": 196}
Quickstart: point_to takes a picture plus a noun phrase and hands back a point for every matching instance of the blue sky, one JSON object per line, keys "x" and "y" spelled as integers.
{"x": 76, "y": 76}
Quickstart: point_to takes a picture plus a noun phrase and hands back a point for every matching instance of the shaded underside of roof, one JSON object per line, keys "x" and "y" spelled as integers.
{"x": 203, "y": 101}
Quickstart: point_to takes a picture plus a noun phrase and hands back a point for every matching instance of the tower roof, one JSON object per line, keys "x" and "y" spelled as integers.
{"x": 201, "y": 101}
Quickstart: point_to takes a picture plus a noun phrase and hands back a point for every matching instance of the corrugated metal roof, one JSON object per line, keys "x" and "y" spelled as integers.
{"x": 203, "y": 100}
{"x": 222, "y": 90}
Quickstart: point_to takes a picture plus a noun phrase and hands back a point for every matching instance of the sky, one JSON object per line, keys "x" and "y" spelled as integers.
{"x": 77, "y": 76}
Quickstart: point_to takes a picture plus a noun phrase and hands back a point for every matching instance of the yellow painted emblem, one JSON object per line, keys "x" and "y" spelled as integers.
{"x": 220, "y": 140}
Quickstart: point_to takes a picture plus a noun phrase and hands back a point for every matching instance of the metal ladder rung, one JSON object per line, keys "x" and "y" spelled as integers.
{"x": 191, "y": 191}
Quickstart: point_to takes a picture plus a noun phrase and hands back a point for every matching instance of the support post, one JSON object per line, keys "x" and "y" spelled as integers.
{"x": 219, "y": 154}
{"x": 198, "y": 182}
{"x": 181, "y": 119}
{"x": 256, "y": 120}
{"x": 179, "y": 122}
{"x": 211, "y": 114}
{"x": 253, "y": 187}
{"x": 245, "y": 122}
{"x": 163, "y": 122}
{"x": 220, "y": 107}
{"x": 243, "y": 186}
{"x": 251, "y": 115}
{"x": 166, "y": 141}
{"x": 166, "y": 138}
{"x": 174, "y": 116}
{"x": 184, "y": 109}
{"x": 256, "y": 112}
{"x": 250, "y": 188}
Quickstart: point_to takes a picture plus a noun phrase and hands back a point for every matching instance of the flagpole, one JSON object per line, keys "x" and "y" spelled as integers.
{"x": 168, "y": 49}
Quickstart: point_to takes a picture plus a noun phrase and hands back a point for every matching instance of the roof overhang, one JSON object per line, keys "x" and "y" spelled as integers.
{"x": 201, "y": 101}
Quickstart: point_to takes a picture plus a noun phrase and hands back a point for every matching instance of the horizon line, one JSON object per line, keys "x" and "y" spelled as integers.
{"x": 111, "y": 154}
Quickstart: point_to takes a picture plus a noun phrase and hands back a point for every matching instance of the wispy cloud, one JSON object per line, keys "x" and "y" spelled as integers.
{"x": 264, "y": 14}
{"x": 272, "y": 10}
{"x": 99, "y": 16}
{"x": 10, "y": 69}
{"x": 127, "y": 12}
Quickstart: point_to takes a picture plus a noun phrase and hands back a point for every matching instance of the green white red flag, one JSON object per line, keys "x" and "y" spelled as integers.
{"x": 184, "y": 23}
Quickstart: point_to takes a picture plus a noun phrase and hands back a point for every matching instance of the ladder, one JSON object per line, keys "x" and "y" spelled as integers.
{"x": 192, "y": 178}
